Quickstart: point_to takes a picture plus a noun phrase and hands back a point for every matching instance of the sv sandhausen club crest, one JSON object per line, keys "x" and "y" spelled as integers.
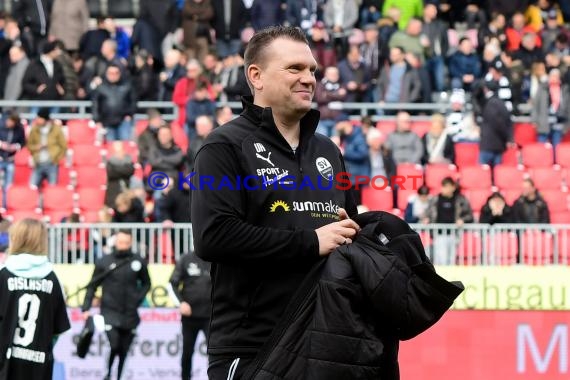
{"x": 325, "y": 168}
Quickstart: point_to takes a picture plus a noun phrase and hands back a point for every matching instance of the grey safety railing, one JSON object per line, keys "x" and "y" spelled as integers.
{"x": 500, "y": 244}
{"x": 445, "y": 244}
{"x": 70, "y": 243}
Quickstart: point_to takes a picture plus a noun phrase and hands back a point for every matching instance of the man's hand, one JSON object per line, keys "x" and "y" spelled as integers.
{"x": 185, "y": 309}
{"x": 41, "y": 88}
{"x": 86, "y": 314}
{"x": 335, "y": 234}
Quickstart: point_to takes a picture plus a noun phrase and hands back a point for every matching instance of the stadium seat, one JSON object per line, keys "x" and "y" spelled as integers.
{"x": 180, "y": 138}
{"x": 89, "y": 216}
{"x": 547, "y": 178}
{"x": 90, "y": 199}
{"x": 63, "y": 176}
{"x": 22, "y": 198}
{"x": 537, "y": 247}
{"x": 87, "y": 155}
{"x": 94, "y": 177}
{"x": 557, "y": 200}
{"x": 81, "y": 132}
{"x": 508, "y": 177}
{"x": 477, "y": 198}
{"x": 435, "y": 173}
{"x": 386, "y": 126}
{"x": 511, "y": 157}
{"x": 404, "y": 197}
{"x": 475, "y": 177}
{"x": 23, "y": 158}
{"x": 56, "y": 216}
{"x": 16, "y": 215}
{"x": 58, "y": 198}
{"x": 469, "y": 251}
{"x": 22, "y": 175}
{"x": 560, "y": 217}
{"x": 377, "y": 200}
{"x": 524, "y": 133}
{"x": 511, "y": 195}
{"x": 466, "y": 154}
{"x": 563, "y": 154}
{"x": 410, "y": 172}
{"x": 421, "y": 127}
{"x": 140, "y": 126}
{"x": 537, "y": 155}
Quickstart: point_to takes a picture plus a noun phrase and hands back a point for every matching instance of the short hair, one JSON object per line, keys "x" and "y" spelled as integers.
{"x": 125, "y": 231}
{"x": 151, "y": 113}
{"x": 401, "y": 48}
{"x": 437, "y": 117}
{"x": 254, "y": 53}
{"x": 28, "y": 236}
{"x": 112, "y": 43}
{"x": 448, "y": 181}
{"x": 529, "y": 181}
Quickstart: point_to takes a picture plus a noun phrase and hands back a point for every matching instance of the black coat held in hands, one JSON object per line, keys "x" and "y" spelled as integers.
{"x": 351, "y": 311}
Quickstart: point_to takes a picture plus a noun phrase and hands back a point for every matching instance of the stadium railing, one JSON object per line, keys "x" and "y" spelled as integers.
{"x": 445, "y": 244}
{"x": 77, "y": 109}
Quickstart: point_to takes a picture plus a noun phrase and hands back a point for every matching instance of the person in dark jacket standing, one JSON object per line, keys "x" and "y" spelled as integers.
{"x": 191, "y": 284}
{"x": 120, "y": 168}
{"x": 496, "y": 127}
{"x": 114, "y": 104}
{"x": 33, "y": 18}
{"x": 124, "y": 289}
{"x": 12, "y": 140}
{"x": 530, "y": 207}
{"x": 263, "y": 243}
{"x": 230, "y": 17}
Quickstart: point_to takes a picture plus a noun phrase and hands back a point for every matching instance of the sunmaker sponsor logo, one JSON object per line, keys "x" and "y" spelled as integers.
{"x": 304, "y": 206}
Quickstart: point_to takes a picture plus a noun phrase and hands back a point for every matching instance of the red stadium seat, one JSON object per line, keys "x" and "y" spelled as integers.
{"x": 557, "y": 200}
{"x": 377, "y": 200}
{"x": 511, "y": 157}
{"x": 560, "y": 217}
{"x": 22, "y": 175}
{"x": 537, "y": 247}
{"x": 58, "y": 198}
{"x": 23, "y": 158}
{"x": 87, "y": 155}
{"x": 180, "y": 138}
{"x": 563, "y": 154}
{"x": 547, "y": 178}
{"x": 413, "y": 175}
{"x": 140, "y": 126}
{"x": 435, "y": 173}
{"x": 90, "y": 199}
{"x": 22, "y": 198}
{"x": 477, "y": 198}
{"x": 470, "y": 249}
{"x": 421, "y": 127}
{"x": 537, "y": 155}
{"x": 81, "y": 132}
{"x": 475, "y": 177}
{"x": 466, "y": 154}
{"x": 56, "y": 216}
{"x": 63, "y": 176}
{"x": 511, "y": 195}
{"x": 524, "y": 133}
{"x": 508, "y": 177}
{"x": 404, "y": 197}
{"x": 89, "y": 216}
{"x": 90, "y": 177}
{"x": 386, "y": 126}
{"x": 16, "y": 215}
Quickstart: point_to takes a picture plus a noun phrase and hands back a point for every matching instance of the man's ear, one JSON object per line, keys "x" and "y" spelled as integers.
{"x": 254, "y": 75}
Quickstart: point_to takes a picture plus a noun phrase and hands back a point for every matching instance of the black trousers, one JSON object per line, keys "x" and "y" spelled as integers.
{"x": 120, "y": 340}
{"x": 191, "y": 326}
{"x": 226, "y": 368}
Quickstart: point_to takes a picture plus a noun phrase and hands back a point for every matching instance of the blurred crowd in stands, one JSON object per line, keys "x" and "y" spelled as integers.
{"x": 485, "y": 59}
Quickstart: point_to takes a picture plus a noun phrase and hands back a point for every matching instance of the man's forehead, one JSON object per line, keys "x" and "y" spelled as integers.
{"x": 290, "y": 52}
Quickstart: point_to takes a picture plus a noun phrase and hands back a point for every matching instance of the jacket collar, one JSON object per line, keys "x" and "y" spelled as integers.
{"x": 263, "y": 117}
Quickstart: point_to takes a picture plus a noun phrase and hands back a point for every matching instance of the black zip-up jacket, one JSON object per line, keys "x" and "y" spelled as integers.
{"x": 14, "y": 137}
{"x": 193, "y": 274}
{"x": 261, "y": 242}
{"x": 496, "y": 127}
{"x": 113, "y": 101}
{"x": 351, "y": 311}
{"x": 124, "y": 289}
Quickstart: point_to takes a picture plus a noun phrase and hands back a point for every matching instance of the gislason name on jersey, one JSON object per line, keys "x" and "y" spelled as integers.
{"x": 19, "y": 283}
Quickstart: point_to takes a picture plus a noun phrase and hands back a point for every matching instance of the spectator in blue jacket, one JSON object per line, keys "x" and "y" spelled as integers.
{"x": 120, "y": 36}
{"x": 355, "y": 152}
{"x": 198, "y": 105}
{"x": 464, "y": 66}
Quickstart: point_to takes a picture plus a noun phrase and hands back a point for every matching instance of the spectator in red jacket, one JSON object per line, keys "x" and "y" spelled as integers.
{"x": 186, "y": 86}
